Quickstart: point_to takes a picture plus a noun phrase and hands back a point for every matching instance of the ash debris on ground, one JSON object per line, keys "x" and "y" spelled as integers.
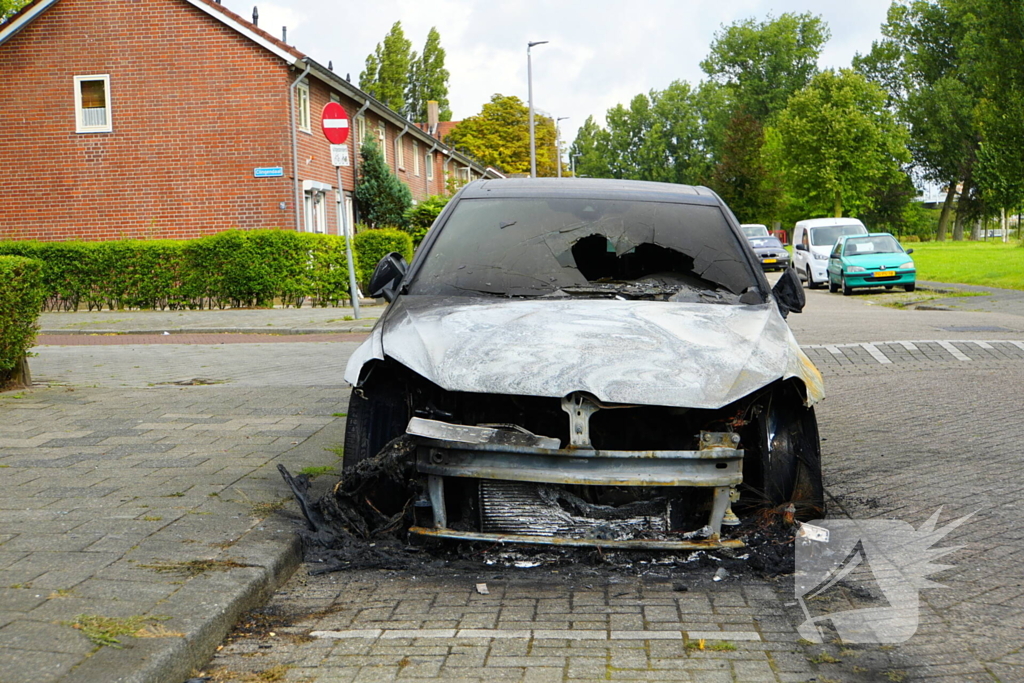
{"x": 346, "y": 531}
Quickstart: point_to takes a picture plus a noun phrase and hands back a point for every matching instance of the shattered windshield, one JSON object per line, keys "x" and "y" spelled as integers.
{"x": 567, "y": 247}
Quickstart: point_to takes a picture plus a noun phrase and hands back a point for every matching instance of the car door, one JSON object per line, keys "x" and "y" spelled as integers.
{"x": 835, "y": 263}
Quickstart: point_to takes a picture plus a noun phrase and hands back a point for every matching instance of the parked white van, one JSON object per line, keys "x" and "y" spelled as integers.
{"x": 813, "y": 240}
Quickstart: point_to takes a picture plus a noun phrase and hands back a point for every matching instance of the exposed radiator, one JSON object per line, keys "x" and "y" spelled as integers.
{"x": 540, "y": 510}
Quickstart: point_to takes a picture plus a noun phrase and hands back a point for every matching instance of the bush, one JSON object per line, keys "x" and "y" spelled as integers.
{"x": 382, "y": 198}
{"x": 21, "y": 299}
{"x": 373, "y": 245}
{"x": 233, "y": 268}
{"x": 423, "y": 215}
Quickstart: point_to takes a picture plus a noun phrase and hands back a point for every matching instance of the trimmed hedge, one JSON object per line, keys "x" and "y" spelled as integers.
{"x": 373, "y": 245}
{"x": 240, "y": 268}
{"x": 21, "y": 295}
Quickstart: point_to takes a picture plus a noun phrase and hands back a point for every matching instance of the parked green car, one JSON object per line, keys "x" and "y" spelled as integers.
{"x": 872, "y": 260}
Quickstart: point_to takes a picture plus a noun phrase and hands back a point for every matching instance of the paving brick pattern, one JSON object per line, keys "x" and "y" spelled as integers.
{"x": 941, "y": 434}
{"x": 99, "y": 482}
{"x": 372, "y": 626}
{"x": 110, "y": 468}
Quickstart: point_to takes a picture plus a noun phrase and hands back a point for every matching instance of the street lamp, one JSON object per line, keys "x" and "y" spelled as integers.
{"x": 529, "y": 81}
{"x": 558, "y": 143}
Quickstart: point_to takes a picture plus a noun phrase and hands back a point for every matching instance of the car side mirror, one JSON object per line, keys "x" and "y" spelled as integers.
{"x": 789, "y": 293}
{"x": 801, "y": 247}
{"x": 387, "y": 276}
{"x": 910, "y": 251}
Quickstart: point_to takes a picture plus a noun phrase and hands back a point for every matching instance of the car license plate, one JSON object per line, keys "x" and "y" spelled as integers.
{"x": 770, "y": 260}
{"x": 886, "y": 273}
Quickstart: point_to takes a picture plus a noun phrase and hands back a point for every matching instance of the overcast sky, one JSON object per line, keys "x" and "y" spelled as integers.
{"x": 601, "y": 53}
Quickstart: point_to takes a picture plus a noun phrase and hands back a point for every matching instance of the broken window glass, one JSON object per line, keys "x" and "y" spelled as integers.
{"x": 586, "y": 247}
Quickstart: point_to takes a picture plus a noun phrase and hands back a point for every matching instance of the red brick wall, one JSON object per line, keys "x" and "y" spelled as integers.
{"x": 195, "y": 108}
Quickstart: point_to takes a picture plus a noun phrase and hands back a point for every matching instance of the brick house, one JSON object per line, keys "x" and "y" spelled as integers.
{"x": 176, "y": 119}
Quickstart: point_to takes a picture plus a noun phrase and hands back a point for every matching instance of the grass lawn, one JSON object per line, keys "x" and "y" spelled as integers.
{"x": 991, "y": 264}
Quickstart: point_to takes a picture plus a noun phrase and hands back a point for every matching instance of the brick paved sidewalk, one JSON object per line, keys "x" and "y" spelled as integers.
{"x": 157, "y": 505}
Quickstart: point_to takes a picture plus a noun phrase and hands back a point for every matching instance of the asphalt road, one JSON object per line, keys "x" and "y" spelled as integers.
{"x": 922, "y": 414}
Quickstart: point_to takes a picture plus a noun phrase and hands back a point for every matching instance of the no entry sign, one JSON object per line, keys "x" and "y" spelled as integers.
{"x": 334, "y": 122}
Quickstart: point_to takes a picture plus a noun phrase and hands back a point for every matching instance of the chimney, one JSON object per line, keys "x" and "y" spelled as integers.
{"x": 284, "y": 35}
{"x": 330, "y": 65}
{"x": 432, "y": 117}
{"x": 255, "y": 16}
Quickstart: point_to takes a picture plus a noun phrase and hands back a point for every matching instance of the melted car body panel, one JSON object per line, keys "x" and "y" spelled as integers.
{"x": 627, "y": 352}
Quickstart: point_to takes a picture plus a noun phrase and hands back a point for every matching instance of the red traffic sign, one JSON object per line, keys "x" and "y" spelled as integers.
{"x": 334, "y": 122}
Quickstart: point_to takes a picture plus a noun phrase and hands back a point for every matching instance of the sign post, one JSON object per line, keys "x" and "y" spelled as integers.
{"x": 334, "y": 122}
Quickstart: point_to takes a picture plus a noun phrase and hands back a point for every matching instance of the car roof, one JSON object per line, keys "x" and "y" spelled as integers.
{"x": 590, "y": 188}
{"x": 822, "y": 222}
{"x": 870, "y": 234}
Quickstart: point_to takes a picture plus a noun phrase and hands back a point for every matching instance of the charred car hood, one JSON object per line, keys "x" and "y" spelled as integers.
{"x": 628, "y": 352}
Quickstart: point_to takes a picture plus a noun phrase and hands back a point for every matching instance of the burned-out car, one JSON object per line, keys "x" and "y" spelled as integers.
{"x": 587, "y": 362}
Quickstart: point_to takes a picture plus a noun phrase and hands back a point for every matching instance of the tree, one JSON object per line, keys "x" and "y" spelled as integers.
{"x": 499, "y": 136}
{"x": 590, "y": 151}
{"x": 9, "y": 7}
{"x": 995, "y": 49}
{"x": 386, "y": 76}
{"x": 836, "y": 142}
{"x": 428, "y": 80}
{"x": 765, "y": 63}
{"x": 755, "y": 68}
{"x": 382, "y": 198}
{"x": 741, "y": 177}
{"x": 655, "y": 138}
{"x": 922, "y": 64}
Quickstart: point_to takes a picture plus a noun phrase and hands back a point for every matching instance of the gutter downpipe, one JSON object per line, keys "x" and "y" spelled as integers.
{"x": 355, "y": 166}
{"x": 295, "y": 144}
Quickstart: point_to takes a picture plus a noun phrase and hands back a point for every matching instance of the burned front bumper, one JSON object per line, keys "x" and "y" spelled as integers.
{"x": 519, "y": 476}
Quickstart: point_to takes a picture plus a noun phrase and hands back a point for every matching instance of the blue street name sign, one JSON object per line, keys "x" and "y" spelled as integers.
{"x": 268, "y": 172}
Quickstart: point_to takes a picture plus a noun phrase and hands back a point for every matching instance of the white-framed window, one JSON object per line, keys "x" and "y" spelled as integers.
{"x": 315, "y": 200}
{"x": 400, "y": 153}
{"x": 416, "y": 158}
{"x": 302, "y": 106}
{"x": 430, "y": 165}
{"x": 382, "y": 139}
{"x": 92, "y": 104}
{"x": 360, "y": 131}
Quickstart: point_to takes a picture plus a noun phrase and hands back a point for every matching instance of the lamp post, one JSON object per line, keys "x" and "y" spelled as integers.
{"x": 558, "y": 143}
{"x": 529, "y": 81}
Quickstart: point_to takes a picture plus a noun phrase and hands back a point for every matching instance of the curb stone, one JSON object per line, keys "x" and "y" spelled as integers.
{"x": 207, "y": 623}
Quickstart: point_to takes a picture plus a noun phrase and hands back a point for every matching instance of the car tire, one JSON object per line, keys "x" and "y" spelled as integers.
{"x": 911, "y": 287}
{"x": 847, "y": 289}
{"x": 376, "y": 415}
{"x": 832, "y": 287}
{"x": 811, "y": 284}
{"x": 790, "y": 463}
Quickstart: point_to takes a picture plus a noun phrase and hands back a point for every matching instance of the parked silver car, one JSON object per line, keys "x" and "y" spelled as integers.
{"x": 586, "y": 362}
